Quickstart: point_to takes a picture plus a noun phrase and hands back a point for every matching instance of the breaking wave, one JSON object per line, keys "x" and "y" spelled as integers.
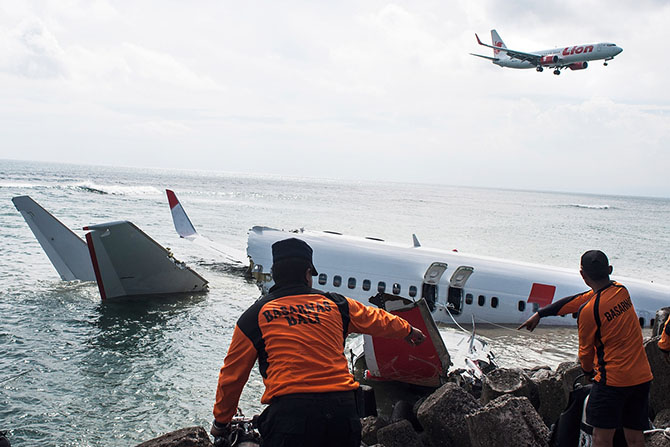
{"x": 117, "y": 190}
{"x": 590, "y": 207}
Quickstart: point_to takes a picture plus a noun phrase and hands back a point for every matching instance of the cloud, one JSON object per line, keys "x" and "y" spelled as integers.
{"x": 32, "y": 51}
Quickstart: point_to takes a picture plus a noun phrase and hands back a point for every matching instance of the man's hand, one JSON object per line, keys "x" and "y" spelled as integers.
{"x": 531, "y": 323}
{"x": 415, "y": 337}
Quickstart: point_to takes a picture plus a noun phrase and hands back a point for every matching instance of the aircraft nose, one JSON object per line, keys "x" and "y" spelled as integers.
{"x": 619, "y": 50}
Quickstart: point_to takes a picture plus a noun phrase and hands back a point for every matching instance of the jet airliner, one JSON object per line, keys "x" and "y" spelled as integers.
{"x": 457, "y": 287}
{"x": 574, "y": 57}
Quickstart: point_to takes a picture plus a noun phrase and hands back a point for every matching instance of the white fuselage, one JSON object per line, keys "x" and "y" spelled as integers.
{"x": 497, "y": 291}
{"x": 566, "y": 55}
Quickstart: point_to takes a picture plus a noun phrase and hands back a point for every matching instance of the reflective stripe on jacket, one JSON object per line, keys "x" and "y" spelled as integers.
{"x": 297, "y": 334}
{"x": 610, "y": 339}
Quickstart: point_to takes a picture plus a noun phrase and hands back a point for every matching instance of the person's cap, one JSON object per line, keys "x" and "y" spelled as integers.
{"x": 293, "y": 248}
{"x": 595, "y": 263}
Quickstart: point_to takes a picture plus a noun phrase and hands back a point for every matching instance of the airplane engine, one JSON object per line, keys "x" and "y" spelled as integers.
{"x": 578, "y": 65}
{"x": 549, "y": 59}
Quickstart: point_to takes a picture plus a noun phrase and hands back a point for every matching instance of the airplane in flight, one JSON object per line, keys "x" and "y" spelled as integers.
{"x": 458, "y": 287}
{"x": 575, "y": 57}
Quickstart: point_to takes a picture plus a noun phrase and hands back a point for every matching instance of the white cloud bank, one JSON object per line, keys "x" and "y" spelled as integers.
{"x": 376, "y": 90}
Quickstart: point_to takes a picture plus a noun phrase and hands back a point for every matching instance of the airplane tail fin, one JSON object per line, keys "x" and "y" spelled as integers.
{"x": 66, "y": 251}
{"x": 497, "y": 42}
{"x": 186, "y": 230}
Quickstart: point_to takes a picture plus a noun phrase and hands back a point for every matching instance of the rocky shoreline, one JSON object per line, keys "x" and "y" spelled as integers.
{"x": 513, "y": 407}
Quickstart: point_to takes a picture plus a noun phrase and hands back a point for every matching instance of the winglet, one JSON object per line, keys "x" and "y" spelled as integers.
{"x": 416, "y": 240}
{"x": 479, "y": 41}
{"x": 182, "y": 223}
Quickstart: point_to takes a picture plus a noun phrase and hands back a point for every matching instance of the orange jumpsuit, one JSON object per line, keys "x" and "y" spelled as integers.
{"x": 664, "y": 342}
{"x": 297, "y": 335}
{"x": 610, "y": 339}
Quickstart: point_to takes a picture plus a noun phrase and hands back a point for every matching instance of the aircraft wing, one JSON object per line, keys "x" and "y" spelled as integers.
{"x": 66, "y": 251}
{"x": 186, "y": 230}
{"x": 523, "y": 56}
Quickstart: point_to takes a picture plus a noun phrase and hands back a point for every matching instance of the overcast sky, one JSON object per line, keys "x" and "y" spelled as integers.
{"x": 345, "y": 89}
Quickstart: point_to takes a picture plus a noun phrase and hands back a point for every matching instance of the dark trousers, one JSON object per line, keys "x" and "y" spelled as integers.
{"x": 311, "y": 420}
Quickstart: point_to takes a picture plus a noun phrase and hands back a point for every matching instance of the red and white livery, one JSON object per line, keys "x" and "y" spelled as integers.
{"x": 574, "y": 57}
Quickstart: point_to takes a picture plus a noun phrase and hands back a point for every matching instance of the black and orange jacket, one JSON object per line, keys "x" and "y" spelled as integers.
{"x": 610, "y": 339}
{"x": 567, "y": 305}
{"x": 664, "y": 342}
{"x": 297, "y": 334}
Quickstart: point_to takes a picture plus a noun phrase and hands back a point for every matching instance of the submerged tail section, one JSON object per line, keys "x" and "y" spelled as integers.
{"x": 66, "y": 251}
{"x": 186, "y": 230}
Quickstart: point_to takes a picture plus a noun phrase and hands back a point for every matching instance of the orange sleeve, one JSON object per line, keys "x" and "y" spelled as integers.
{"x": 664, "y": 342}
{"x": 373, "y": 321}
{"x": 233, "y": 375}
{"x": 587, "y": 338}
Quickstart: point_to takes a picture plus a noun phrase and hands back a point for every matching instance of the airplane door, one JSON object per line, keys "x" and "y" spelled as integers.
{"x": 456, "y": 284}
{"x": 430, "y": 280}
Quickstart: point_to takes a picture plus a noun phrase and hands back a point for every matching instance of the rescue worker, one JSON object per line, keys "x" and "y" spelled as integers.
{"x": 610, "y": 352}
{"x": 297, "y": 335}
{"x": 664, "y": 342}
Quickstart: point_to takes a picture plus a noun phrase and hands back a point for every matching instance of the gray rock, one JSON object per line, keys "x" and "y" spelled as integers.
{"x": 442, "y": 416}
{"x": 512, "y": 381}
{"x": 660, "y": 368}
{"x": 553, "y": 399}
{"x": 657, "y": 440}
{"x": 186, "y": 437}
{"x": 659, "y": 320}
{"x": 569, "y": 371}
{"x": 662, "y": 418}
{"x": 370, "y": 427}
{"x": 399, "y": 434}
{"x": 507, "y": 421}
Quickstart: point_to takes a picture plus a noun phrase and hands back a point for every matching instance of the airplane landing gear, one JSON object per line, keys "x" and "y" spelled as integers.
{"x": 557, "y": 72}
{"x": 605, "y": 64}
{"x": 540, "y": 69}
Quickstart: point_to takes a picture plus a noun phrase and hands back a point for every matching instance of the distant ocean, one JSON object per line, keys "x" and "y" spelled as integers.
{"x": 78, "y": 372}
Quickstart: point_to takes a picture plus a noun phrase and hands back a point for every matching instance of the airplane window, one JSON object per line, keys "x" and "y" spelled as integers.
{"x": 521, "y": 306}
{"x": 396, "y": 288}
{"x": 575, "y": 315}
{"x": 412, "y": 291}
{"x": 381, "y": 287}
{"x": 641, "y": 322}
{"x": 337, "y": 280}
{"x": 536, "y": 307}
{"x": 323, "y": 279}
{"x": 494, "y": 301}
{"x": 481, "y": 300}
{"x": 352, "y": 283}
{"x": 468, "y": 298}
{"x": 366, "y": 284}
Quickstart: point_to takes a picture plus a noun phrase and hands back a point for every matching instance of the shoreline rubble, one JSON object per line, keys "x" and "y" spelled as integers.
{"x": 513, "y": 407}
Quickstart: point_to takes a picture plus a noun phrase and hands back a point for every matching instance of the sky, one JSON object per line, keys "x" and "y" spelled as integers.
{"x": 360, "y": 90}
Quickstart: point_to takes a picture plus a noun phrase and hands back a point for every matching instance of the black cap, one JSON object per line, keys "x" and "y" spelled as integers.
{"x": 595, "y": 264}
{"x": 293, "y": 248}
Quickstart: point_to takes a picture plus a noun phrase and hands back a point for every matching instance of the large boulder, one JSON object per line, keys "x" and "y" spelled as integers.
{"x": 506, "y": 421}
{"x": 186, "y": 437}
{"x": 399, "y": 434}
{"x": 569, "y": 371}
{"x": 553, "y": 399}
{"x": 660, "y": 368}
{"x": 659, "y": 320}
{"x": 442, "y": 416}
{"x": 370, "y": 427}
{"x": 512, "y": 381}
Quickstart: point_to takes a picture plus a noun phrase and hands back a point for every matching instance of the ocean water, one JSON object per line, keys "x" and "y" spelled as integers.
{"x": 75, "y": 371}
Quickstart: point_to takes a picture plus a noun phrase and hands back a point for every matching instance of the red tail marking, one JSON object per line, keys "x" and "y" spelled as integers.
{"x": 172, "y": 198}
{"x": 96, "y": 268}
